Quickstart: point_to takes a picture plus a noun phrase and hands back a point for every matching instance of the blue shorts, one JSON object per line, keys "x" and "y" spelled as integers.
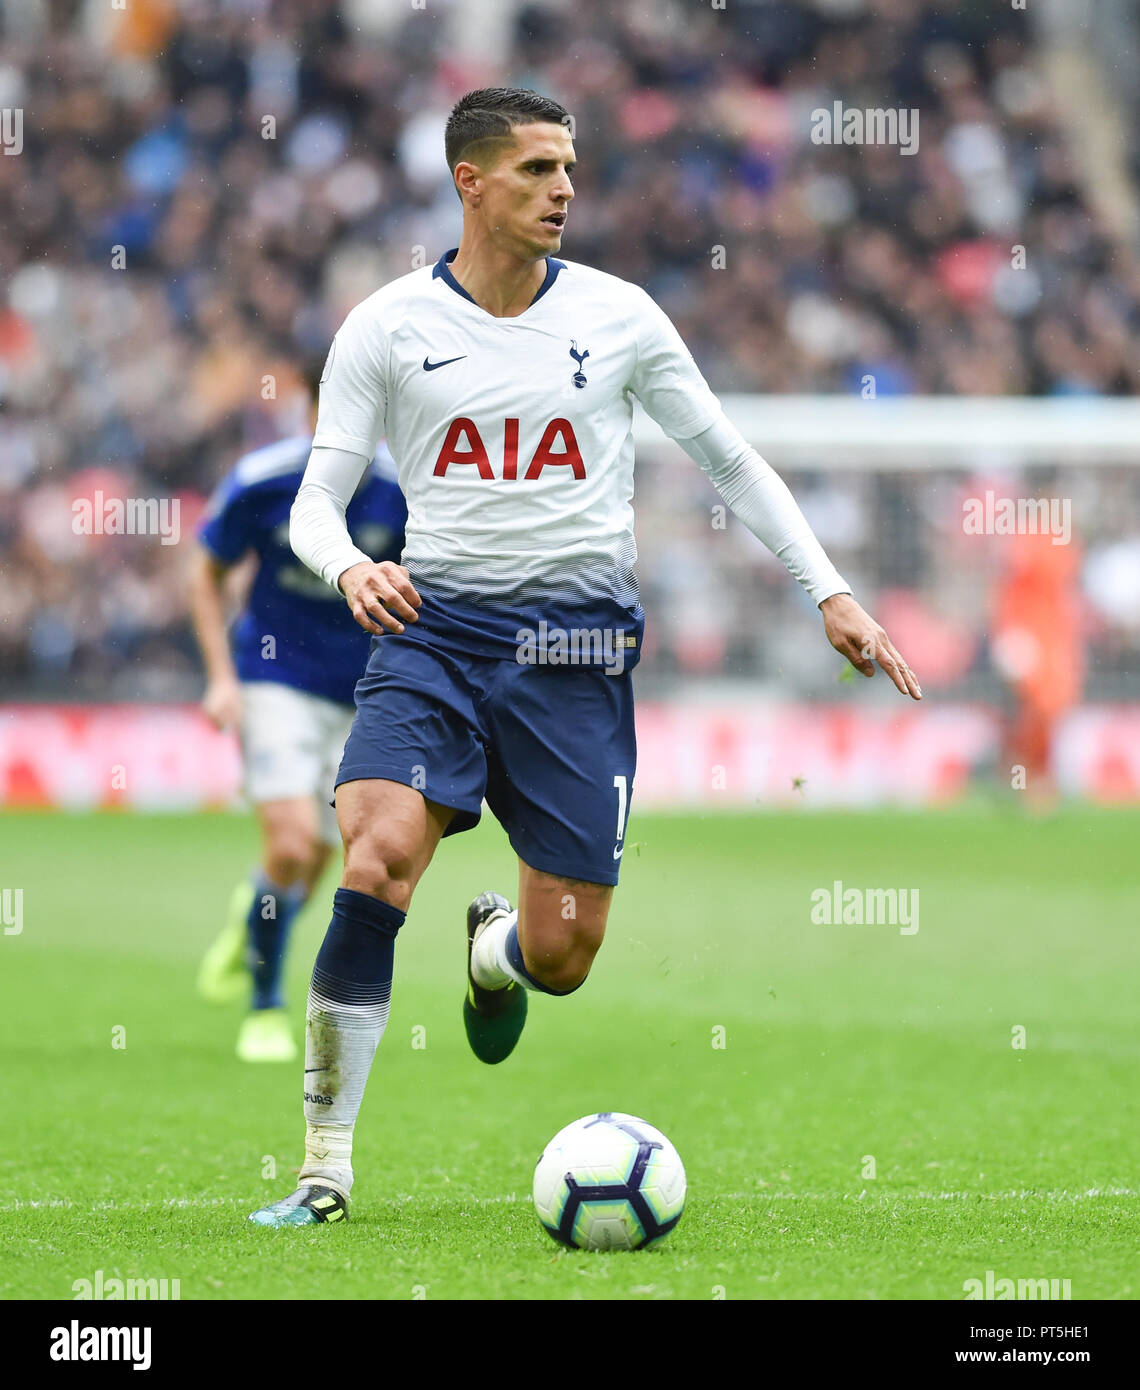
{"x": 550, "y": 746}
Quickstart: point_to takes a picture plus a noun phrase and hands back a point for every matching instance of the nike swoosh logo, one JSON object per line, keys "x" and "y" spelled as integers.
{"x": 619, "y": 852}
{"x": 432, "y": 366}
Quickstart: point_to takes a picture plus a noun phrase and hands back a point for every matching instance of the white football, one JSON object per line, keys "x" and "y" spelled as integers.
{"x": 609, "y": 1182}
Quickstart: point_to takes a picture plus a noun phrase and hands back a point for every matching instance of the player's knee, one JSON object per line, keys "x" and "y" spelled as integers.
{"x": 381, "y": 866}
{"x": 290, "y": 855}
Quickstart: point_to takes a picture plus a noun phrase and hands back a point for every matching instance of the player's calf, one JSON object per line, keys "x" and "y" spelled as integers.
{"x": 562, "y": 966}
{"x": 562, "y": 922}
{"x": 504, "y": 960}
{"x": 502, "y": 953}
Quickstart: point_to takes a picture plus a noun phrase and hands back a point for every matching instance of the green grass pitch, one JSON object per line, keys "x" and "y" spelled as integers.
{"x": 848, "y": 1051}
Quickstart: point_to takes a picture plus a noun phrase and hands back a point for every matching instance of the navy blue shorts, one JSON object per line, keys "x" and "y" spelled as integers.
{"x": 551, "y": 747}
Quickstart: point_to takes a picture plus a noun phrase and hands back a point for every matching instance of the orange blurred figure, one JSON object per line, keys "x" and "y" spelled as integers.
{"x": 1038, "y": 646}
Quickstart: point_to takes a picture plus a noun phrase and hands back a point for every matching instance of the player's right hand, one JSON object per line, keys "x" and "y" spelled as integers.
{"x": 222, "y": 703}
{"x": 380, "y": 595}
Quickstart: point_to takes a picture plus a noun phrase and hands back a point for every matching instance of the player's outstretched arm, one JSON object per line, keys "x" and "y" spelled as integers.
{"x": 222, "y": 700}
{"x": 762, "y": 500}
{"x": 668, "y": 384}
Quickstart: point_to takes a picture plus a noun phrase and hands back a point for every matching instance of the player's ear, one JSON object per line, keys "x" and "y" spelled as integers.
{"x": 468, "y": 183}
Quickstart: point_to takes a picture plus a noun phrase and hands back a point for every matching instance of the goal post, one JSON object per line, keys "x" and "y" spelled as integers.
{"x": 911, "y": 432}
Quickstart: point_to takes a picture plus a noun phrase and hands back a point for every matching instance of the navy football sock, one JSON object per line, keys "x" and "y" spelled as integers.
{"x": 347, "y": 1013}
{"x": 270, "y": 919}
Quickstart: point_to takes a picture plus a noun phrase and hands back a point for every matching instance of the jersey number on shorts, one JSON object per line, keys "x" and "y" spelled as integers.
{"x": 623, "y": 797}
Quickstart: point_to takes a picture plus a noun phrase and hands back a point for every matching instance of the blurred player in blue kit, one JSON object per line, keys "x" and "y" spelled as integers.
{"x": 283, "y": 676}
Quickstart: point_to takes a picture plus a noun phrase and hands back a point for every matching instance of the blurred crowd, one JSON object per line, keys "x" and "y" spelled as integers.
{"x": 205, "y": 187}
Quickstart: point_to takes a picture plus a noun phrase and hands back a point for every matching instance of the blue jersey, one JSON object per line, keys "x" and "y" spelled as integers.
{"x": 294, "y": 629}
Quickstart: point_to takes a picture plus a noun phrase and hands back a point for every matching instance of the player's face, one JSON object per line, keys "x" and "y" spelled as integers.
{"x": 527, "y": 191}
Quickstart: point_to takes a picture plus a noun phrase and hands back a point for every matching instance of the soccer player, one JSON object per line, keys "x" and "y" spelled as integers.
{"x": 503, "y": 379}
{"x": 287, "y": 684}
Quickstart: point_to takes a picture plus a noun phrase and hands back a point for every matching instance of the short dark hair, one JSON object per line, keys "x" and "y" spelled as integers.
{"x": 489, "y": 113}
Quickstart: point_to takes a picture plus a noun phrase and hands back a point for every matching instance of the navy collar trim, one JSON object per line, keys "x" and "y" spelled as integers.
{"x": 442, "y": 271}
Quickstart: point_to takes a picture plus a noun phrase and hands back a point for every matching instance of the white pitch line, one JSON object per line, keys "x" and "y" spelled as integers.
{"x": 1018, "y": 1195}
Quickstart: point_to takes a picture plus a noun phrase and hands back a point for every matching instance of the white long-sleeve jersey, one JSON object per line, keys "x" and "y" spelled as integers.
{"x": 513, "y": 439}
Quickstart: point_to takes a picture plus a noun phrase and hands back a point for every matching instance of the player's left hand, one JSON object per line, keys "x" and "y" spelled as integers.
{"x": 857, "y": 636}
